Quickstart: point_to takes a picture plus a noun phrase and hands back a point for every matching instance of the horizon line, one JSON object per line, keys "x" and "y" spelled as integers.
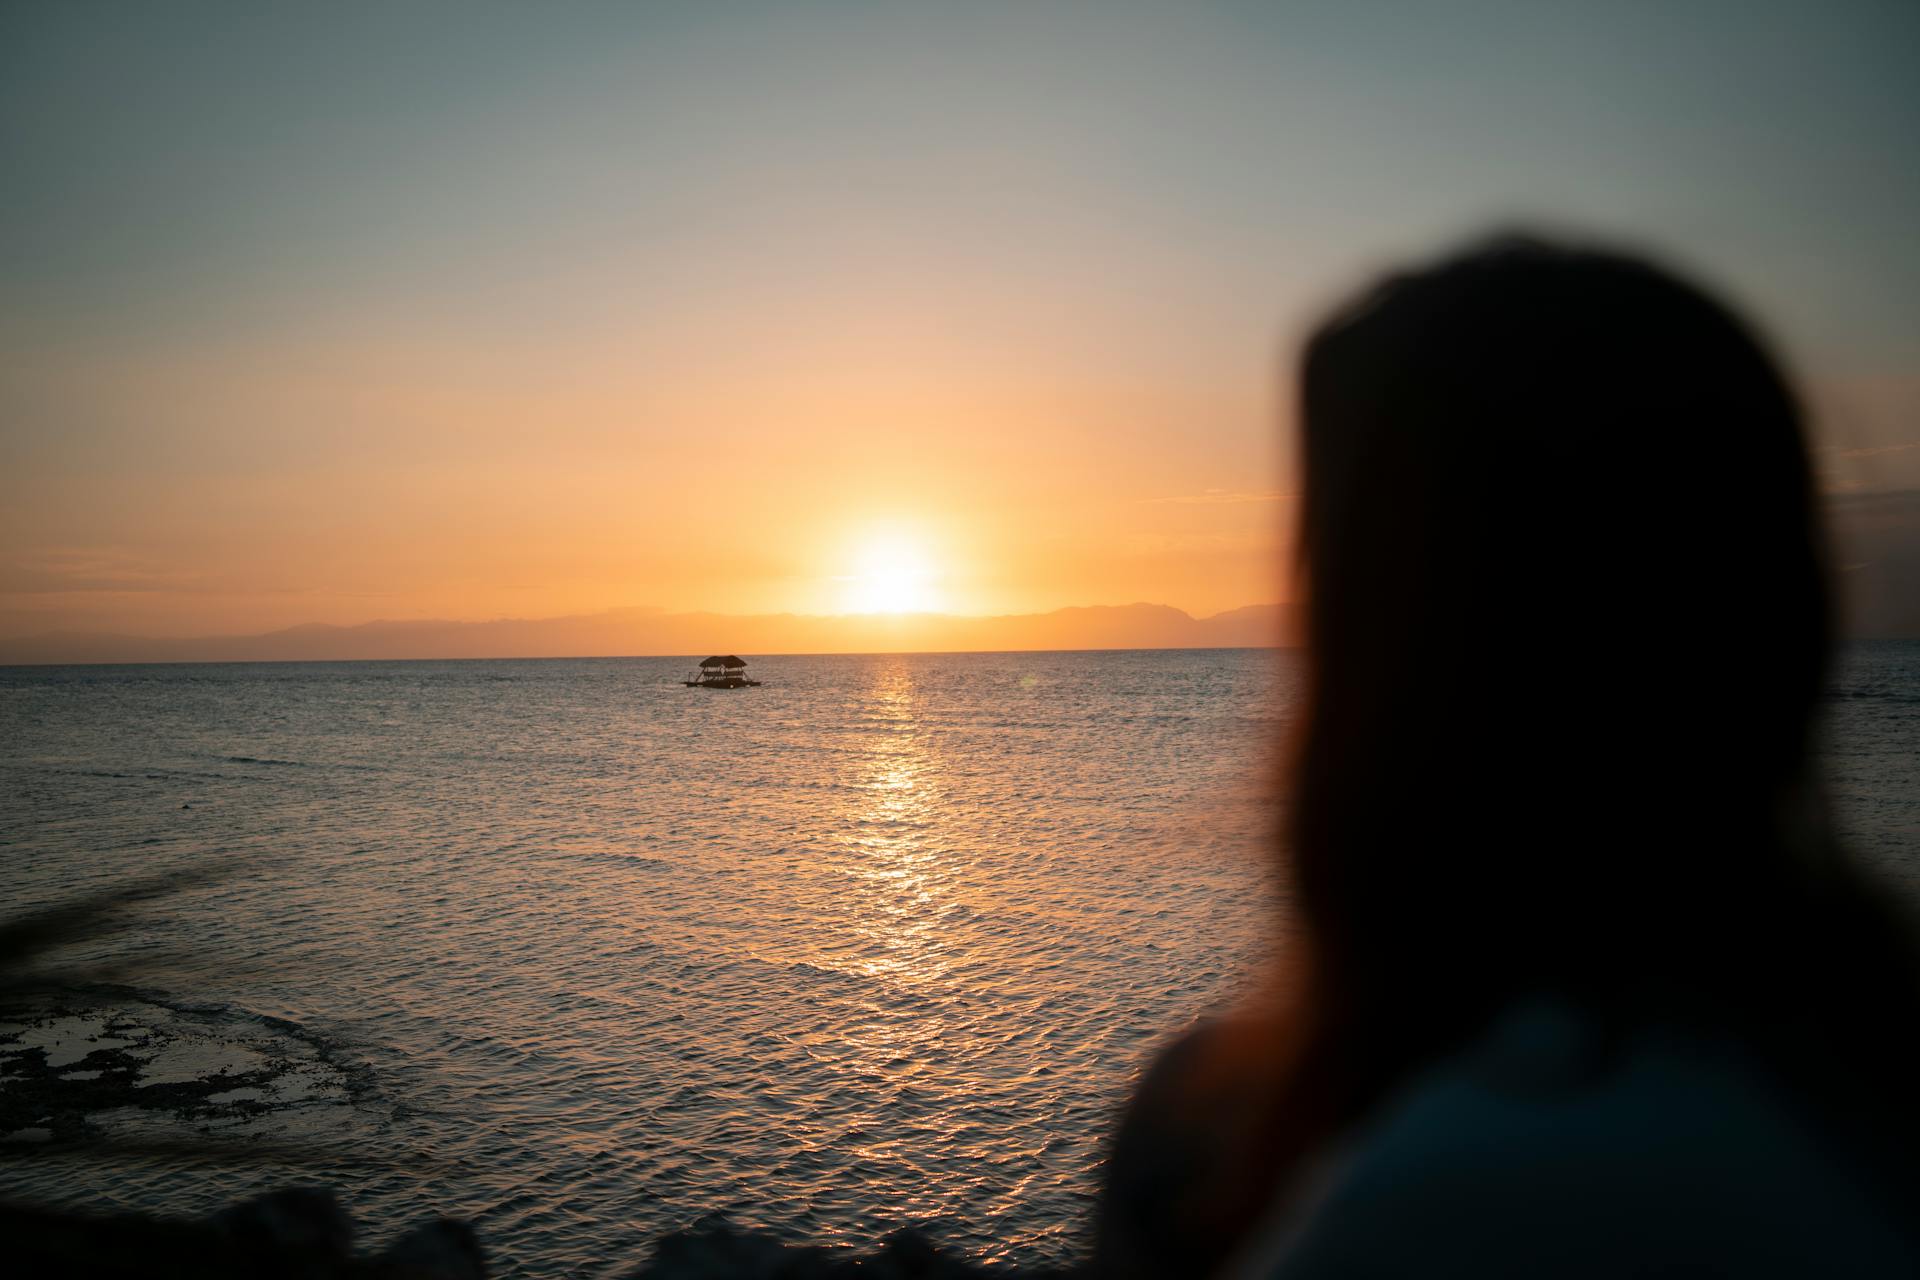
{"x": 659, "y": 657}
{"x": 652, "y": 632}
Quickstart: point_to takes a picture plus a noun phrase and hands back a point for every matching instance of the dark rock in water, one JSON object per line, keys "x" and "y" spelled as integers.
{"x": 444, "y": 1247}
{"x": 712, "y": 1249}
{"x": 111, "y": 1064}
{"x": 300, "y": 1233}
{"x": 303, "y": 1221}
{"x": 100, "y": 1070}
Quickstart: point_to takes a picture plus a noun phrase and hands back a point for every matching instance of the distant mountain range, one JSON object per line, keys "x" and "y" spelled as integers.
{"x": 643, "y": 632}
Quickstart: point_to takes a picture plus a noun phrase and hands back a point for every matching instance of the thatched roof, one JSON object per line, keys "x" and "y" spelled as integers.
{"x": 728, "y": 661}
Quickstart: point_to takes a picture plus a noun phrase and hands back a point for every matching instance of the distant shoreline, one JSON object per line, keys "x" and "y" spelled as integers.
{"x": 652, "y": 633}
{"x": 691, "y": 658}
{"x": 674, "y": 657}
{"x": 648, "y": 633}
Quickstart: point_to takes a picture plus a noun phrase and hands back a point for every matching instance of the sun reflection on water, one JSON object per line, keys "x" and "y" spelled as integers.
{"x": 878, "y": 946}
{"x": 899, "y": 873}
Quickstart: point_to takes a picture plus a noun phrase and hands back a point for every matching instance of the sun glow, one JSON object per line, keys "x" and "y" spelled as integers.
{"x": 891, "y": 575}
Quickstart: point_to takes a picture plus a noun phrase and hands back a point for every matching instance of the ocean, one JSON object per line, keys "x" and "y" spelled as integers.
{"x": 583, "y": 956}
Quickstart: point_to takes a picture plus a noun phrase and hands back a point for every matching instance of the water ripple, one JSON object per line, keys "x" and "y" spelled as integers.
{"x": 881, "y": 943}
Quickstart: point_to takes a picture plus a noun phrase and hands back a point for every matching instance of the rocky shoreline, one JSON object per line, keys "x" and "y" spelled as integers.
{"x": 131, "y": 1072}
{"x": 109, "y": 1064}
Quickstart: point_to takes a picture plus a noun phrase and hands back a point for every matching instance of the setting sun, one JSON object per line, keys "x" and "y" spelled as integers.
{"x": 891, "y": 575}
{"x": 783, "y": 638}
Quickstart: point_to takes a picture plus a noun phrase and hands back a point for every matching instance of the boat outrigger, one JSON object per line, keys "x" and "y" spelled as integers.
{"x": 726, "y": 672}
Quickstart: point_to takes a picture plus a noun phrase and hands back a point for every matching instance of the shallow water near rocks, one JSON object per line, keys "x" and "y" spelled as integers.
{"x": 881, "y": 943}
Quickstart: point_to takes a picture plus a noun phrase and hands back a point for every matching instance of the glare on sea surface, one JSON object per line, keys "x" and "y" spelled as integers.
{"x": 897, "y": 877}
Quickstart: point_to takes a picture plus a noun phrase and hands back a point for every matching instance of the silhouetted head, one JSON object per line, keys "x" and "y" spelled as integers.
{"x": 1567, "y": 623}
{"x": 1567, "y": 626}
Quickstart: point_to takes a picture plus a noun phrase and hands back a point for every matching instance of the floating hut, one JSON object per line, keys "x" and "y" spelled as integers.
{"x": 726, "y": 672}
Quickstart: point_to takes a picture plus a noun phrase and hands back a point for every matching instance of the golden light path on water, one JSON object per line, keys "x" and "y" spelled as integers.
{"x": 897, "y": 879}
{"x": 879, "y": 944}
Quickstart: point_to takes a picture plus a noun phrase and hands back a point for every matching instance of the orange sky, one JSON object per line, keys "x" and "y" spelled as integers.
{"x": 247, "y": 485}
{"x": 409, "y": 317}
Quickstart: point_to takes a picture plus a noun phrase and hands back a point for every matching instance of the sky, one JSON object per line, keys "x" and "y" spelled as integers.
{"x": 325, "y": 314}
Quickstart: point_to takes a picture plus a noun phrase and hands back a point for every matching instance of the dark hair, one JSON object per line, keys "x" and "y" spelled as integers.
{"x": 1567, "y": 624}
{"x": 1567, "y": 629}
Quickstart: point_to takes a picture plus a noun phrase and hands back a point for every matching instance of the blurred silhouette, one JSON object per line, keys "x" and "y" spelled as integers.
{"x": 1577, "y": 980}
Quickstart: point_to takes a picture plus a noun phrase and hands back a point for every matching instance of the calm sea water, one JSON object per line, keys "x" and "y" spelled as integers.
{"x": 881, "y": 943}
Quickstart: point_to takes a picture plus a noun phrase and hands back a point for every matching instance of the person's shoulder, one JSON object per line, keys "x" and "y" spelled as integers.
{"x": 1540, "y": 1150}
{"x": 1183, "y": 1151}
